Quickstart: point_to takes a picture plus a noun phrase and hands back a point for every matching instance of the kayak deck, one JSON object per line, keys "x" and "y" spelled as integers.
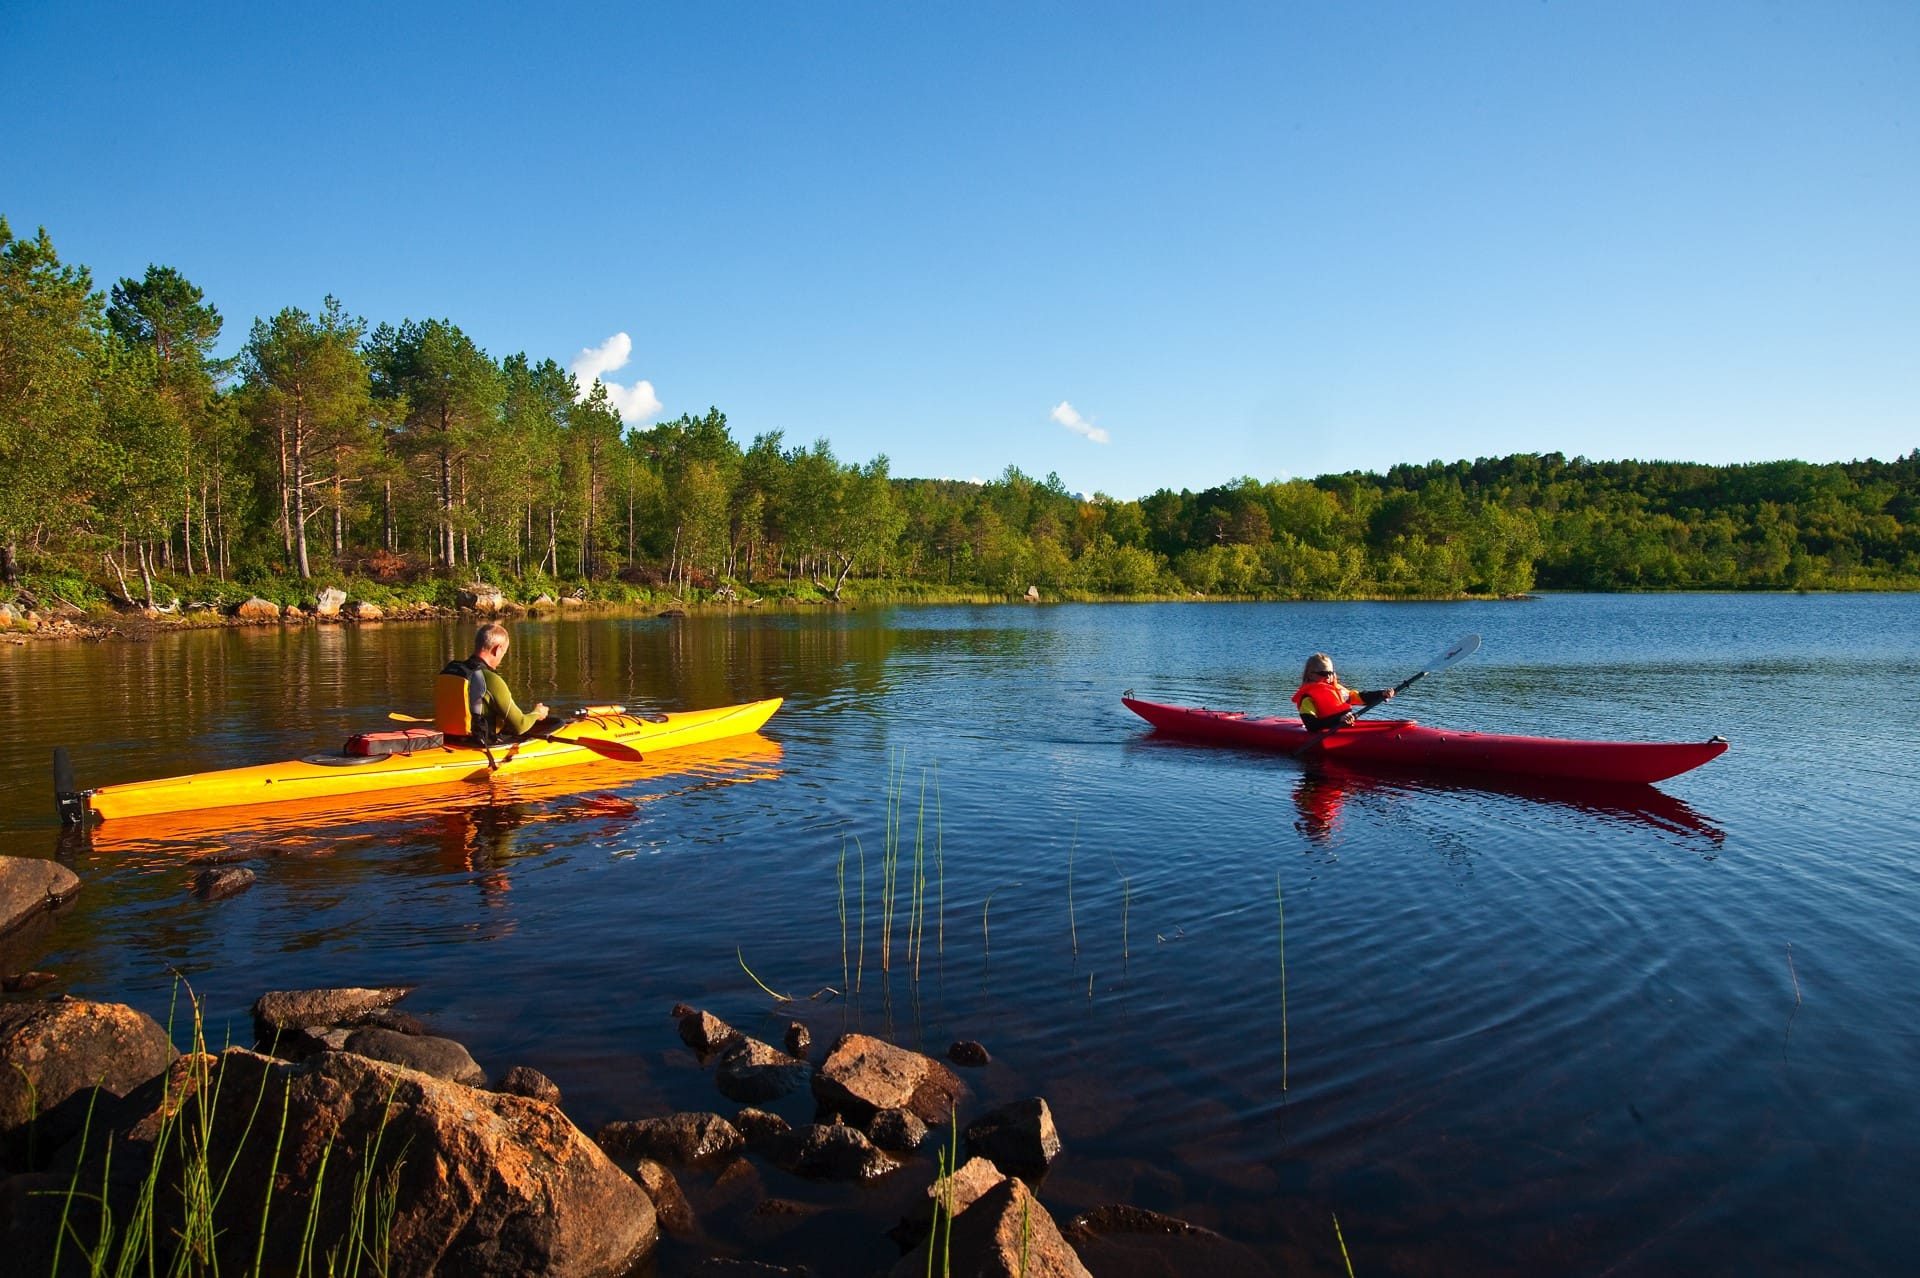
{"x": 332, "y": 776}
{"x": 1406, "y": 743}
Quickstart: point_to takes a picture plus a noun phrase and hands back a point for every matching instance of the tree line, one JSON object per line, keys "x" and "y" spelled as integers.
{"x": 332, "y": 449}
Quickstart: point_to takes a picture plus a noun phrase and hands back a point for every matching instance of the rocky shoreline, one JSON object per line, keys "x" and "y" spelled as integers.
{"x": 349, "y": 1119}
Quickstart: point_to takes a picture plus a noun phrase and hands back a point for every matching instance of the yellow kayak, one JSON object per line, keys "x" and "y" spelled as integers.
{"x": 582, "y": 740}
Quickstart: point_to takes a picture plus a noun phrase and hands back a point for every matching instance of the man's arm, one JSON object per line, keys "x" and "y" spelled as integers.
{"x": 516, "y": 720}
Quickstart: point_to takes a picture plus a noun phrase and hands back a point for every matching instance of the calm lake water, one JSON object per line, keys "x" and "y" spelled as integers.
{"x": 1520, "y": 1031}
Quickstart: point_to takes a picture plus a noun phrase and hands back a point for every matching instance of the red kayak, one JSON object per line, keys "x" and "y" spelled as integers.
{"x": 1405, "y": 743}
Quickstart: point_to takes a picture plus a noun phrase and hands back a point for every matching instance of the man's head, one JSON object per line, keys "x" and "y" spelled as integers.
{"x": 490, "y": 644}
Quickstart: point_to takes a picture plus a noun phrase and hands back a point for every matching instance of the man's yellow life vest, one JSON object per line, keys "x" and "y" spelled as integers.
{"x": 461, "y": 707}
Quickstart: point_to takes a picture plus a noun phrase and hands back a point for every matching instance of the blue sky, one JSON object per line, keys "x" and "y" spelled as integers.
{"x": 1138, "y": 245}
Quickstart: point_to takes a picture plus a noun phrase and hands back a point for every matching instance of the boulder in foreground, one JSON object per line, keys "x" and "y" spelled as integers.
{"x": 481, "y": 1185}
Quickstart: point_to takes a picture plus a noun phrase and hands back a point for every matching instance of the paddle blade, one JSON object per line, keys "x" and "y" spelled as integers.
{"x": 607, "y": 749}
{"x": 1459, "y": 650}
{"x": 396, "y": 716}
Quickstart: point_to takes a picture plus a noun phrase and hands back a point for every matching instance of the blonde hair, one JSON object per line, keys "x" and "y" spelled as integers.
{"x": 491, "y": 635}
{"x": 1318, "y": 664}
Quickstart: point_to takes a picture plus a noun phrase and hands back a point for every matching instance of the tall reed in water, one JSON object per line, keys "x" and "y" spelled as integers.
{"x": 840, "y": 880}
{"x": 1281, "y": 899}
{"x": 1343, "y": 1245}
{"x": 1073, "y": 928}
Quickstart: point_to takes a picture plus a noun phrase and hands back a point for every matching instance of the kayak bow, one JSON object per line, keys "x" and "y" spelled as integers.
{"x": 331, "y": 776}
{"x": 1405, "y": 743}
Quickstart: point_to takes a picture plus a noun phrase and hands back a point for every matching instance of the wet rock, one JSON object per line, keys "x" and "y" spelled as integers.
{"x": 298, "y": 1009}
{"x": 485, "y": 1184}
{"x": 219, "y": 884}
{"x": 897, "y": 1129}
{"x": 257, "y": 609}
{"x": 669, "y": 1201}
{"x": 760, "y": 1129}
{"x": 30, "y": 886}
{"x": 679, "y": 1140}
{"x": 26, "y": 982}
{"x": 863, "y": 1075}
{"x": 531, "y": 1083}
{"x": 750, "y": 1072}
{"x": 799, "y": 1039}
{"x": 361, "y": 610}
{"x": 680, "y": 1010}
{"x": 1019, "y": 1138}
{"x": 1132, "y": 1242}
{"x": 1003, "y": 1233}
{"x": 968, "y": 1053}
{"x": 57, "y": 1057}
{"x": 440, "y": 1057}
{"x": 732, "y": 1267}
{"x": 704, "y": 1032}
{"x": 328, "y": 602}
{"x": 831, "y": 1151}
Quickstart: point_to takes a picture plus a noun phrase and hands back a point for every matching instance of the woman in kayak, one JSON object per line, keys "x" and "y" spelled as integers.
{"x": 1324, "y": 702}
{"x": 472, "y": 702}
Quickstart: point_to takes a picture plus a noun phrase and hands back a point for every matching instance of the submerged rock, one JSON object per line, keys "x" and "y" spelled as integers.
{"x": 1019, "y": 1138}
{"x": 679, "y": 1140}
{"x": 219, "y": 884}
{"x": 897, "y": 1129}
{"x": 968, "y": 1053}
{"x": 704, "y": 1032}
{"x": 830, "y": 1151}
{"x": 750, "y": 1072}
{"x": 1121, "y": 1241}
{"x": 669, "y": 1201}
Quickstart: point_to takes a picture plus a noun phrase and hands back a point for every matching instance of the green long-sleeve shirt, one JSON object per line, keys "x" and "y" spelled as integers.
{"x": 504, "y": 713}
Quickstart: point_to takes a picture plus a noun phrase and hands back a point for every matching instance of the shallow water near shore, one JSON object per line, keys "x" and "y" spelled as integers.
{"x": 1523, "y": 1029}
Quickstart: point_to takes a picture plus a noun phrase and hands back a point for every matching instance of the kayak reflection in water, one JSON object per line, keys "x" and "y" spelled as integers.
{"x": 1318, "y": 799}
{"x": 471, "y": 702}
{"x": 1324, "y": 702}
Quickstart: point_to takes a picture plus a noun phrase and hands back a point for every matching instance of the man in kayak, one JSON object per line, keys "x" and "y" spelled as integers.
{"x": 1324, "y": 702}
{"x": 472, "y": 701}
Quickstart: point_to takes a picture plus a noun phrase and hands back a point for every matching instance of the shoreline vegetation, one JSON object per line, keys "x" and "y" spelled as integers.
{"x": 397, "y": 465}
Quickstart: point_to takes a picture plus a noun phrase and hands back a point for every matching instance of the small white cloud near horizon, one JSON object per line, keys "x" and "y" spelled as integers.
{"x": 1069, "y": 417}
{"x": 636, "y": 403}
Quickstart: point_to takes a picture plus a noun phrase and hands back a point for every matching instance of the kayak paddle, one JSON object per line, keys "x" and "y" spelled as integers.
{"x": 606, "y": 749}
{"x": 1453, "y": 654}
{"x": 1456, "y": 652}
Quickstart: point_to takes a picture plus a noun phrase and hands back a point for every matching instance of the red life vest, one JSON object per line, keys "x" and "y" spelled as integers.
{"x": 1328, "y": 699}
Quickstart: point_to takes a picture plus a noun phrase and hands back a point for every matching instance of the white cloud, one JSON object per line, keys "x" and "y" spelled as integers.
{"x": 635, "y": 403}
{"x": 1069, "y": 417}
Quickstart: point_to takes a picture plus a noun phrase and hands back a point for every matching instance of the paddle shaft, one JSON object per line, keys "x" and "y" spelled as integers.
{"x": 599, "y": 745}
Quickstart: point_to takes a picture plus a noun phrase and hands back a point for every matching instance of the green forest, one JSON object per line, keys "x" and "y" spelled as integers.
{"x": 396, "y": 460}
